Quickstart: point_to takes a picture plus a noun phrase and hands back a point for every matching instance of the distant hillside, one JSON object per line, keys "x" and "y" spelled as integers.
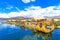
{"x": 21, "y": 17}
{"x": 16, "y": 18}
{"x": 52, "y": 17}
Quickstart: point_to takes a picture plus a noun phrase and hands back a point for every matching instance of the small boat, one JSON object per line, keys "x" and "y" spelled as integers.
{"x": 45, "y": 26}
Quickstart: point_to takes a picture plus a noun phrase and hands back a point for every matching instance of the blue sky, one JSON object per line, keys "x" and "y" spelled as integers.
{"x": 15, "y": 6}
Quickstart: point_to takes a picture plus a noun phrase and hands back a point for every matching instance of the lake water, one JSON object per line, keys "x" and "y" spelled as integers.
{"x": 11, "y": 32}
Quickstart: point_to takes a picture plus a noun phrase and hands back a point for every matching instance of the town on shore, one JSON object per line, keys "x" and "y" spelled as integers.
{"x": 32, "y": 23}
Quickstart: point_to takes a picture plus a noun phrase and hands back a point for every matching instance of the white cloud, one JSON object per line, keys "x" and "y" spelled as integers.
{"x": 3, "y": 15}
{"x": 33, "y": 11}
{"x": 49, "y": 11}
{"x": 13, "y": 14}
{"x": 28, "y": 1}
{"x": 33, "y": 0}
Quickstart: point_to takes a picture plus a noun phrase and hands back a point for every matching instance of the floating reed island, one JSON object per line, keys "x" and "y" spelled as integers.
{"x": 45, "y": 25}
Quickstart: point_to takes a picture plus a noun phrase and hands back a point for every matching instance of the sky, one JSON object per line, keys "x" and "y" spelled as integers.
{"x": 29, "y": 8}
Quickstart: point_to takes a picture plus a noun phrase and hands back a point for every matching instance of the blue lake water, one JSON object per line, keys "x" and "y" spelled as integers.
{"x": 11, "y": 32}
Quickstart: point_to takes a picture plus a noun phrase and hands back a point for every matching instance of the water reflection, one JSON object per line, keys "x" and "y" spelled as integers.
{"x": 43, "y": 36}
{"x": 38, "y": 36}
{"x": 23, "y": 28}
